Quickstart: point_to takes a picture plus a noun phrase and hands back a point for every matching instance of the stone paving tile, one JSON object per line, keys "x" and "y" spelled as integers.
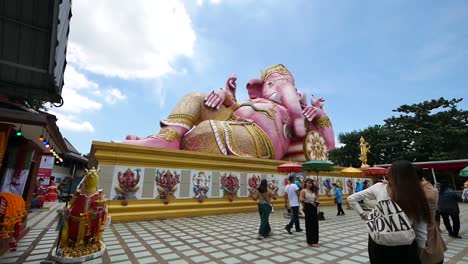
{"x": 118, "y": 257}
{"x": 147, "y": 260}
{"x": 228, "y": 239}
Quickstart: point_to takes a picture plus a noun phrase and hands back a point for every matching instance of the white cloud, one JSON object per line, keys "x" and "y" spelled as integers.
{"x": 76, "y": 103}
{"x": 70, "y": 123}
{"x": 129, "y": 39}
{"x": 77, "y": 80}
{"x": 338, "y": 144}
{"x": 160, "y": 92}
{"x": 76, "y": 97}
{"x": 214, "y": 2}
{"x": 113, "y": 95}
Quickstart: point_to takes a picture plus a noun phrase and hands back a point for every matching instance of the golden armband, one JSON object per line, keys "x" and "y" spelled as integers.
{"x": 323, "y": 122}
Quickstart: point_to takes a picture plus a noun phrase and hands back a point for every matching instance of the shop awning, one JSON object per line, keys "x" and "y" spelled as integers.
{"x": 33, "y": 37}
{"x": 442, "y": 165}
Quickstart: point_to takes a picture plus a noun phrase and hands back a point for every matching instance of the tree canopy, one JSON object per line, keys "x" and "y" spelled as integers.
{"x": 427, "y": 131}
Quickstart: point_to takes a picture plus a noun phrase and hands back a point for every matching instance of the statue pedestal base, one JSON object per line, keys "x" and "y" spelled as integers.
{"x": 62, "y": 259}
{"x": 114, "y": 158}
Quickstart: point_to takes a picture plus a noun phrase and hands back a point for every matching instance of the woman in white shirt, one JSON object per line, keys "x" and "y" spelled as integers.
{"x": 309, "y": 200}
{"x": 403, "y": 187}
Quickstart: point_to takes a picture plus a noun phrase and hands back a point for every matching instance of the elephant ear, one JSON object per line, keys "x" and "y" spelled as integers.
{"x": 255, "y": 88}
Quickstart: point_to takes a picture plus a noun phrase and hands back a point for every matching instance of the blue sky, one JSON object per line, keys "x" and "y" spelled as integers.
{"x": 129, "y": 63}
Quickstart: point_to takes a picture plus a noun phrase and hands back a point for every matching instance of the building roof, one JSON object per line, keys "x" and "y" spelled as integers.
{"x": 73, "y": 152}
{"x": 35, "y": 123}
{"x": 34, "y": 40}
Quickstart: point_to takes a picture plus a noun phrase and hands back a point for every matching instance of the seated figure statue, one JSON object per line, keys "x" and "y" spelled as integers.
{"x": 274, "y": 119}
{"x": 52, "y": 192}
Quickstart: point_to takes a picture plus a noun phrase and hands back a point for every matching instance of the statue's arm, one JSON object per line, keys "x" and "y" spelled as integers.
{"x": 72, "y": 202}
{"x": 223, "y": 97}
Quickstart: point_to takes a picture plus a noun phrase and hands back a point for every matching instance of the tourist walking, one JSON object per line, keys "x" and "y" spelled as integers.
{"x": 263, "y": 197}
{"x": 465, "y": 192}
{"x": 309, "y": 200}
{"x": 448, "y": 209}
{"x": 404, "y": 198}
{"x": 292, "y": 196}
{"x": 435, "y": 245}
{"x": 338, "y": 199}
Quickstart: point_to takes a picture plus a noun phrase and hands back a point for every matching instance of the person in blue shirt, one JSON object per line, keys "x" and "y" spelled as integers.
{"x": 359, "y": 186}
{"x": 338, "y": 199}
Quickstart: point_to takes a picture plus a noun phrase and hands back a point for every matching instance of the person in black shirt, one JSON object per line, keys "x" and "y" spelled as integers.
{"x": 448, "y": 209}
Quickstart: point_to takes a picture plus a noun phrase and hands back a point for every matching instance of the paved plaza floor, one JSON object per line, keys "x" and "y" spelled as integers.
{"x": 222, "y": 239}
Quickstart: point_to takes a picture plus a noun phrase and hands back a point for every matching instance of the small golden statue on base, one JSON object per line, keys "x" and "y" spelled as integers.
{"x": 82, "y": 223}
{"x": 365, "y": 147}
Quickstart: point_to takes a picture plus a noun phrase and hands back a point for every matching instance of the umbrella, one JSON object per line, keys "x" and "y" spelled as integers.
{"x": 376, "y": 171}
{"x": 464, "y": 172}
{"x": 289, "y": 167}
{"x": 351, "y": 172}
{"x": 318, "y": 165}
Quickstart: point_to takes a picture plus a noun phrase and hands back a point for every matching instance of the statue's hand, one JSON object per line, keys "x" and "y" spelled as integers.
{"x": 312, "y": 112}
{"x": 215, "y": 99}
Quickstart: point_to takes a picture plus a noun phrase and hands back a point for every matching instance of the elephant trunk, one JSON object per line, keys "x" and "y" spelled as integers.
{"x": 291, "y": 102}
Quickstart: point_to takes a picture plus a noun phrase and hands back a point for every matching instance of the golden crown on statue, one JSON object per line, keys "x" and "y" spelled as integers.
{"x": 278, "y": 68}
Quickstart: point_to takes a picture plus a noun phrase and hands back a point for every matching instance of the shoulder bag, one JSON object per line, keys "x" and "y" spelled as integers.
{"x": 388, "y": 225}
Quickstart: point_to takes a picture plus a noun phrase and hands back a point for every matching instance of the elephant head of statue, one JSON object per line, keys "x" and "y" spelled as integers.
{"x": 277, "y": 84}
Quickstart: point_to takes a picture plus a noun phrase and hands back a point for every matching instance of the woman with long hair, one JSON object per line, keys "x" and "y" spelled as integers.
{"x": 404, "y": 189}
{"x": 263, "y": 197}
{"x": 309, "y": 200}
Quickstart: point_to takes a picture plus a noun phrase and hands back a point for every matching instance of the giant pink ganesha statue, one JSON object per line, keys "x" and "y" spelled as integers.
{"x": 275, "y": 123}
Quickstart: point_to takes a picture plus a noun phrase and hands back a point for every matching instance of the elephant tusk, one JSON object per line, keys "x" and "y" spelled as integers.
{"x": 303, "y": 99}
{"x": 275, "y": 97}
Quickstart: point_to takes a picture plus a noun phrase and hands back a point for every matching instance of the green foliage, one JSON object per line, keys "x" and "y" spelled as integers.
{"x": 37, "y": 105}
{"x": 431, "y": 130}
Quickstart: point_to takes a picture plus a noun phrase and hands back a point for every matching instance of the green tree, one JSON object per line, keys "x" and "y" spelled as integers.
{"x": 431, "y": 130}
{"x": 37, "y": 105}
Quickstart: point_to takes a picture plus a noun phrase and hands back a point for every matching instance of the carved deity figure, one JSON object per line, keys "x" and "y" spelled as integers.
{"x": 350, "y": 186}
{"x": 327, "y": 184}
{"x": 365, "y": 147}
{"x": 275, "y": 123}
{"x": 273, "y": 186}
{"x": 128, "y": 182}
{"x": 84, "y": 218}
{"x": 201, "y": 185}
{"x": 166, "y": 183}
{"x": 253, "y": 182}
{"x": 229, "y": 185}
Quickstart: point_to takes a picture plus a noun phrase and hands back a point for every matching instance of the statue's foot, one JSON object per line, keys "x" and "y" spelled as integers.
{"x": 154, "y": 142}
{"x": 132, "y": 137}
